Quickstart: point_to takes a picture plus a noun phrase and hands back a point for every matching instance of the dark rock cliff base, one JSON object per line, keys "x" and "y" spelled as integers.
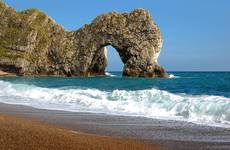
{"x": 33, "y": 44}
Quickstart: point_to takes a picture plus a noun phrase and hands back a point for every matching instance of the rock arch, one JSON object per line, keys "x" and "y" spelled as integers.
{"x": 134, "y": 35}
{"x": 35, "y": 44}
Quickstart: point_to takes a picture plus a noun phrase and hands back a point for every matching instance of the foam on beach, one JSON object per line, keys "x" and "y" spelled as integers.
{"x": 153, "y": 103}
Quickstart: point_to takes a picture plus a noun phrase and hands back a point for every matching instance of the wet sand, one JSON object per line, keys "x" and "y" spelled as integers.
{"x": 173, "y": 135}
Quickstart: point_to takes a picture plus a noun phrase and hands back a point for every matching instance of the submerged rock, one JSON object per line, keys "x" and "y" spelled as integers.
{"x": 31, "y": 43}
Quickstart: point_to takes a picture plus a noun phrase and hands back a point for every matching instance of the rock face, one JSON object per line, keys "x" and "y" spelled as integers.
{"x": 31, "y": 43}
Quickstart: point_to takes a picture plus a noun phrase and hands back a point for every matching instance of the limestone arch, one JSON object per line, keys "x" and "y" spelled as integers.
{"x": 42, "y": 47}
{"x": 135, "y": 37}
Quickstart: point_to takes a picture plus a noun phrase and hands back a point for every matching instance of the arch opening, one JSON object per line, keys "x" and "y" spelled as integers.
{"x": 114, "y": 62}
{"x": 106, "y": 61}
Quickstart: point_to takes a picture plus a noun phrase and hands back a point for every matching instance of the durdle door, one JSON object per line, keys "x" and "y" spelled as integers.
{"x": 33, "y": 44}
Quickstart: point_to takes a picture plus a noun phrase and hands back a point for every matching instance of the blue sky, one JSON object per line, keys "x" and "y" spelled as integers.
{"x": 196, "y": 33}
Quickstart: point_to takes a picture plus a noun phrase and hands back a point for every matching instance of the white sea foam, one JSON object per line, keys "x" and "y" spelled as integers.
{"x": 173, "y": 76}
{"x": 109, "y": 74}
{"x": 204, "y": 109}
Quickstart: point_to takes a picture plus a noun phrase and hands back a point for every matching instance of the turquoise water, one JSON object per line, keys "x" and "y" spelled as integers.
{"x": 199, "y": 97}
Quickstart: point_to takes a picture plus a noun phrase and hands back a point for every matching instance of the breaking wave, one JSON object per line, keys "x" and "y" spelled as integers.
{"x": 109, "y": 74}
{"x": 173, "y": 76}
{"x": 154, "y": 103}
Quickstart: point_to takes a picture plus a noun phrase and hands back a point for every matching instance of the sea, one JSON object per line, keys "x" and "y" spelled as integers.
{"x": 197, "y": 97}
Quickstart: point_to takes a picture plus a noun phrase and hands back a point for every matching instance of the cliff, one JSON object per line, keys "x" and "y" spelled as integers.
{"x": 32, "y": 43}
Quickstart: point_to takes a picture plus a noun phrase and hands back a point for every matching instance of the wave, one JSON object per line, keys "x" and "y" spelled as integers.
{"x": 173, "y": 76}
{"x": 154, "y": 103}
{"x": 109, "y": 74}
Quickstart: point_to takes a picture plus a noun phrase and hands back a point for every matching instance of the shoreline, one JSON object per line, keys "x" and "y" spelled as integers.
{"x": 172, "y": 135}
